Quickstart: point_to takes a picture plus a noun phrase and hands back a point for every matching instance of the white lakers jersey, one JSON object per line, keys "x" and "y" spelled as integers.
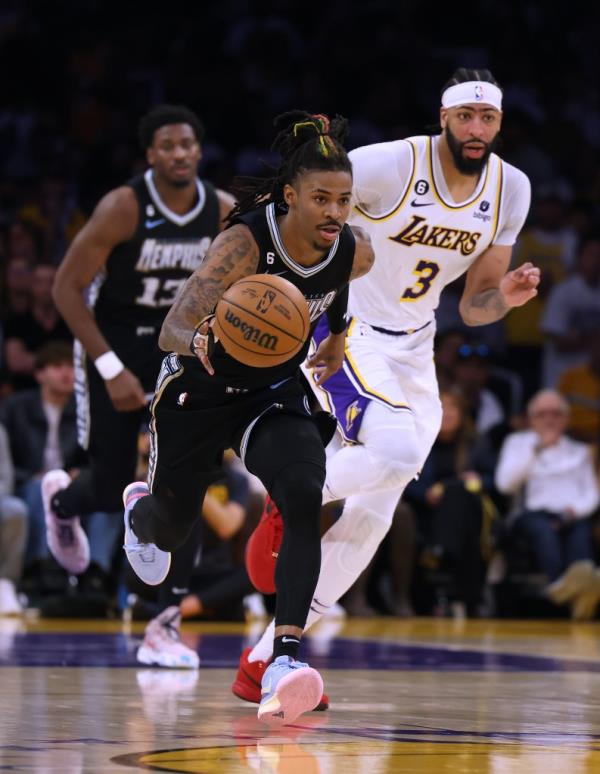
{"x": 422, "y": 239}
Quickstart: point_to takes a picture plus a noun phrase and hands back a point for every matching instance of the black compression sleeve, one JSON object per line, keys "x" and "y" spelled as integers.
{"x": 336, "y": 314}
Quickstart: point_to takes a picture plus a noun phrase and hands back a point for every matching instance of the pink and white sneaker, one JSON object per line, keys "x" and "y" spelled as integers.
{"x": 66, "y": 539}
{"x": 162, "y": 645}
{"x": 148, "y": 561}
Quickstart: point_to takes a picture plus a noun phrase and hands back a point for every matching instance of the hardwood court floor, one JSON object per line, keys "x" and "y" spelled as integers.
{"x": 420, "y": 695}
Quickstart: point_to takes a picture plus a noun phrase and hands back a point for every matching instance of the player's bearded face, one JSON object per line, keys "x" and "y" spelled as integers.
{"x": 464, "y": 164}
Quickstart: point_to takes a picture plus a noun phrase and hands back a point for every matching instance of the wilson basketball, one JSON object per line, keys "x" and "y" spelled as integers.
{"x": 262, "y": 320}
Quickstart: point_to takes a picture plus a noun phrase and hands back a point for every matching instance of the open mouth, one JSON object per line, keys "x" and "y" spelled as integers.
{"x": 474, "y": 151}
{"x": 329, "y": 232}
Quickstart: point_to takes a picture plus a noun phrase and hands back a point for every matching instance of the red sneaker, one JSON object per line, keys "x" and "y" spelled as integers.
{"x": 263, "y": 547}
{"x": 247, "y": 686}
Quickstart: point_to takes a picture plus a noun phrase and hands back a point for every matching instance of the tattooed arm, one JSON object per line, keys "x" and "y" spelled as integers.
{"x": 232, "y": 255}
{"x": 490, "y": 290}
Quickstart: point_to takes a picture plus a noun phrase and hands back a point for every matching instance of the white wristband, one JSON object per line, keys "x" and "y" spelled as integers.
{"x": 108, "y": 365}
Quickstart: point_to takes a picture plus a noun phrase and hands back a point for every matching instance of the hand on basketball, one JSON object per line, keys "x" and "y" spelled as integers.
{"x": 126, "y": 392}
{"x": 328, "y": 357}
{"x": 200, "y": 343}
{"x": 519, "y": 286}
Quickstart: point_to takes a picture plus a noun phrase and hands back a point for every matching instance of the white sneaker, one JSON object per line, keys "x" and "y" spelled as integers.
{"x": 9, "y": 602}
{"x": 66, "y": 539}
{"x": 149, "y": 563}
{"x": 162, "y": 645}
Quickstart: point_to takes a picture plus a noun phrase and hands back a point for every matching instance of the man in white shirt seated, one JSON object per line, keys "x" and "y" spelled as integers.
{"x": 554, "y": 477}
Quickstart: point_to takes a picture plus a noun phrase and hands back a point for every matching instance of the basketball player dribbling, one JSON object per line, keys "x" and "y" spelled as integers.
{"x": 435, "y": 208}
{"x": 205, "y": 402}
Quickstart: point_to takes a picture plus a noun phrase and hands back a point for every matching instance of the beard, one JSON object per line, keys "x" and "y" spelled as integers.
{"x": 465, "y": 165}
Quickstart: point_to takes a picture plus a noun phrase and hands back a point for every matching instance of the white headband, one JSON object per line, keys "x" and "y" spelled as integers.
{"x": 467, "y": 93}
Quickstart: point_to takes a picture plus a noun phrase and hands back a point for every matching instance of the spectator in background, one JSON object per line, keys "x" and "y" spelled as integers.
{"x": 572, "y": 317}
{"x": 25, "y": 333}
{"x": 553, "y": 479}
{"x": 13, "y": 532}
{"x": 451, "y": 497}
{"x": 551, "y": 243}
{"x": 53, "y": 211}
{"x": 16, "y": 286}
{"x": 41, "y": 427}
{"x": 490, "y": 409}
{"x": 580, "y": 386}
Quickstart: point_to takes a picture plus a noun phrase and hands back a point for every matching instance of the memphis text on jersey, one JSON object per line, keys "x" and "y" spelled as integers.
{"x": 418, "y": 231}
{"x": 165, "y": 254}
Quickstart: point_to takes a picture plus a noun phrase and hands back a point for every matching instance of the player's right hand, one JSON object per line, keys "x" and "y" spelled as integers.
{"x": 125, "y": 392}
{"x": 203, "y": 343}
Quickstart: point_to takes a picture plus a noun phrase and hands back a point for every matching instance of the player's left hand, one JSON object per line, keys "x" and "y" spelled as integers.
{"x": 328, "y": 357}
{"x": 519, "y": 286}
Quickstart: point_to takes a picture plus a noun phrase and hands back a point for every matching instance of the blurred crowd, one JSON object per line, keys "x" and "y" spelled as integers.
{"x": 508, "y": 500}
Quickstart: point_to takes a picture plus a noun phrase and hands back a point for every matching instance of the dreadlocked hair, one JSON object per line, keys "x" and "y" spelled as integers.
{"x": 305, "y": 142}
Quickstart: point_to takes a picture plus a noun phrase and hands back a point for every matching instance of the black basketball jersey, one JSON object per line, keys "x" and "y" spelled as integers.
{"x": 142, "y": 276}
{"x": 319, "y": 284}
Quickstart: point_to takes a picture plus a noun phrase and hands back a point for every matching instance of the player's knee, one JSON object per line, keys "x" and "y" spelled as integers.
{"x": 398, "y": 464}
{"x": 298, "y": 491}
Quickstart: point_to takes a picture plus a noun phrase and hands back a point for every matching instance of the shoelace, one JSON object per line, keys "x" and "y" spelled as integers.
{"x": 172, "y": 628}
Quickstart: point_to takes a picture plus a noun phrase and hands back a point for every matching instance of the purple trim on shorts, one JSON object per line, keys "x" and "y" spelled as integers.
{"x": 346, "y": 402}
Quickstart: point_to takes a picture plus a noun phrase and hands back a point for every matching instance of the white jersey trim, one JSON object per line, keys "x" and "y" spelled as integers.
{"x": 400, "y": 201}
{"x": 179, "y": 220}
{"x": 439, "y": 184}
{"x": 303, "y": 271}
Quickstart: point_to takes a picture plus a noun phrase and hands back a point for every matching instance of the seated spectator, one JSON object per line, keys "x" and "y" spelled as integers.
{"x": 25, "y": 333}
{"x": 553, "y": 479}
{"x": 451, "y": 497}
{"x": 42, "y": 430}
{"x": 580, "y": 386}
{"x": 572, "y": 317}
{"x": 493, "y": 394}
{"x": 13, "y": 532}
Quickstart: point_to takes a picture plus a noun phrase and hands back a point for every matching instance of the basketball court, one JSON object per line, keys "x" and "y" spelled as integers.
{"x": 417, "y": 695}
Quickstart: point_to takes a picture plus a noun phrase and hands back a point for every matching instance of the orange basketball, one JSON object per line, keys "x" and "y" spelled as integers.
{"x": 262, "y": 320}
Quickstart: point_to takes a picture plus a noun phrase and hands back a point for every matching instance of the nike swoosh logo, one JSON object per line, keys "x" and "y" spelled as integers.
{"x": 289, "y": 639}
{"x": 415, "y": 203}
{"x": 154, "y": 223}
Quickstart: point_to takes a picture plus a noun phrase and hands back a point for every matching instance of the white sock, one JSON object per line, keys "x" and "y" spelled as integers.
{"x": 346, "y": 549}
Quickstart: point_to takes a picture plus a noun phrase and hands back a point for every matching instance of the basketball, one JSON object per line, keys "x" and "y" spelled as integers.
{"x": 262, "y": 320}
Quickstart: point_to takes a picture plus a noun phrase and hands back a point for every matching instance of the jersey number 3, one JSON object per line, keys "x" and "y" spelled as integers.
{"x": 158, "y": 293}
{"x": 426, "y": 271}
